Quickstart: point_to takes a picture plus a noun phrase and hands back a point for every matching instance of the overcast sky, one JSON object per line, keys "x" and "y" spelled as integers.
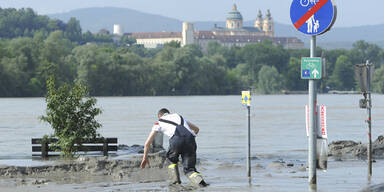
{"x": 350, "y": 12}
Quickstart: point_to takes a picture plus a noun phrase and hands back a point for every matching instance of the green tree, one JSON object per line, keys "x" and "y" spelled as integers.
{"x": 342, "y": 77}
{"x": 53, "y": 59}
{"x": 269, "y": 80}
{"x": 71, "y": 114}
{"x": 186, "y": 61}
{"x": 166, "y": 54}
{"x": 378, "y": 80}
{"x": 173, "y": 44}
{"x": 94, "y": 66}
{"x": 292, "y": 77}
{"x": 241, "y": 74}
{"x": 73, "y": 30}
{"x": 6, "y": 88}
{"x": 331, "y": 58}
{"x": 215, "y": 48}
{"x": 163, "y": 78}
{"x": 363, "y": 51}
{"x": 265, "y": 53}
{"x": 211, "y": 78}
{"x": 127, "y": 40}
{"x": 25, "y": 22}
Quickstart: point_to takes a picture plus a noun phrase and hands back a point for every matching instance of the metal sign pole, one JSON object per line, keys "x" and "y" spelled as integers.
{"x": 246, "y": 100}
{"x": 312, "y": 122}
{"x": 312, "y": 18}
{"x": 249, "y": 142}
{"x": 364, "y": 73}
{"x": 369, "y": 119}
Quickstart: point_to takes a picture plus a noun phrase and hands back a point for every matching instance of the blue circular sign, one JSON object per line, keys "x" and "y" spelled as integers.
{"x": 313, "y": 17}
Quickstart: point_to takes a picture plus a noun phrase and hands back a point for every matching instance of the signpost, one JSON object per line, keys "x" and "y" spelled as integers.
{"x": 246, "y": 100}
{"x": 312, "y": 17}
{"x": 322, "y": 136}
{"x": 364, "y": 72}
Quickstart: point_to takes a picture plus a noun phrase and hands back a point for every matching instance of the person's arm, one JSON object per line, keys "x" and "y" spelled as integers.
{"x": 147, "y": 145}
{"x": 193, "y": 127}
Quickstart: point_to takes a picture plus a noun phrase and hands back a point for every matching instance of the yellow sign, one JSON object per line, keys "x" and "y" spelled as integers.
{"x": 246, "y": 97}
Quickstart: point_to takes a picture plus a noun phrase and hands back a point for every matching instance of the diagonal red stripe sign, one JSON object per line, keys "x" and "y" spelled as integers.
{"x": 310, "y": 12}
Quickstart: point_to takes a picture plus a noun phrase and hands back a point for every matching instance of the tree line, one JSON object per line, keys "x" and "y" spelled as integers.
{"x": 34, "y": 47}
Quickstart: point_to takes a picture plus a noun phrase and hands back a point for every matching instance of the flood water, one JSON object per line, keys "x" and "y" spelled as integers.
{"x": 277, "y": 133}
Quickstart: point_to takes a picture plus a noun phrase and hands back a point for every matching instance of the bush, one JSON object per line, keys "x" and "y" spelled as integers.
{"x": 269, "y": 80}
{"x": 71, "y": 113}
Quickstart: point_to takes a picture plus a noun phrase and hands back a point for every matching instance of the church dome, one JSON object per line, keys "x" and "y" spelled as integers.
{"x": 234, "y": 14}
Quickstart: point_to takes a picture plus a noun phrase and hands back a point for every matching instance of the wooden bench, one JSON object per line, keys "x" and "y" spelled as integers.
{"x": 91, "y": 145}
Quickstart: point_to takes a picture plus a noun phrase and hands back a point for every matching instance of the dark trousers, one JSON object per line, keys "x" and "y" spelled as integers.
{"x": 186, "y": 147}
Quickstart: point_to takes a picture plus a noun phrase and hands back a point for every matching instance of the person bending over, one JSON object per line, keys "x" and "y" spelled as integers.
{"x": 181, "y": 143}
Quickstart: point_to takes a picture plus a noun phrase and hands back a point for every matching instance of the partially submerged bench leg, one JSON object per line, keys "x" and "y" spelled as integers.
{"x": 105, "y": 147}
{"x": 44, "y": 149}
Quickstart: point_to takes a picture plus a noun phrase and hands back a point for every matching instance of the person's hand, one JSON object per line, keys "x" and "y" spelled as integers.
{"x": 144, "y": 162}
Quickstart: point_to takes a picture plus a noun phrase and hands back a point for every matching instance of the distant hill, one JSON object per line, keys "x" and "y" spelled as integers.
{"x": 94, "y": 19}
{"x": 338, "y": 37}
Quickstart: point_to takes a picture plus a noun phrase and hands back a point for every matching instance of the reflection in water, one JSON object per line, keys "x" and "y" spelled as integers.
{"x": 312, "y": 188}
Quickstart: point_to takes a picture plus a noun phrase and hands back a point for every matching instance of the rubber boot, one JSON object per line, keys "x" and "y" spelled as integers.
{"x": 197, "y": 179}
{"x": 173, "y": 173}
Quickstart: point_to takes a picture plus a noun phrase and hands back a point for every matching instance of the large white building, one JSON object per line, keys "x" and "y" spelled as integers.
{"x": 233, "y": 34}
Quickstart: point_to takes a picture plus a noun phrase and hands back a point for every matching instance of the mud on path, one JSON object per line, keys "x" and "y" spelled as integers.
{"x": 356, "y": 150}
{"x": 87, "y": 169}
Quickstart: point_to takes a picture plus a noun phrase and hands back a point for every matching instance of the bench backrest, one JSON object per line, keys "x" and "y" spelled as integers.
{"x": 89, "y": 145}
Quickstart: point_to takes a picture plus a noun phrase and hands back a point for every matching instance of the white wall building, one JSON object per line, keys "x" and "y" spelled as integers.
{"x": 118, "y": 30}
{"x": 233, "y": 34}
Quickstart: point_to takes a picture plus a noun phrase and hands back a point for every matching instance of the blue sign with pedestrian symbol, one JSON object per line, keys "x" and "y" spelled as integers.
{"x": 306, "y": 73}
{"x": 313, "y": 17}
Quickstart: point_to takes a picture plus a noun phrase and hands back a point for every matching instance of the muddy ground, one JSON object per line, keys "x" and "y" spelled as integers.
{"x": 122, "y": 173}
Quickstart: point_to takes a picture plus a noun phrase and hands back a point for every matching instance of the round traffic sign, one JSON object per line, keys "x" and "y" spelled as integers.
{"x": 313, "y": 17}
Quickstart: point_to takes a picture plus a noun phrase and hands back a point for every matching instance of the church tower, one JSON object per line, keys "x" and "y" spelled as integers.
{"x": 259, "y": 22}
{"x": 268, "y": 26}
{"x": 234, "y": 19}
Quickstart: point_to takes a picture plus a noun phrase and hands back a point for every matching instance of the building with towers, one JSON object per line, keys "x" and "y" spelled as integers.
{"x": 234, "y": 19}
{"x": 233, "y": 34}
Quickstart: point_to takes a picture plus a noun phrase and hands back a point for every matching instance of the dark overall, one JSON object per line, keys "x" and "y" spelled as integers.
{"x": 182, "y": 143}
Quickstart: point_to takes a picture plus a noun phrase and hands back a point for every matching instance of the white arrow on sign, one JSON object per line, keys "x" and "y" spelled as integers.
{"x": 315, "y": 73}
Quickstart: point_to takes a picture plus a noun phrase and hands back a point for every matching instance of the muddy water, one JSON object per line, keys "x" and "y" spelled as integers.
{"x": 278, "y": 135}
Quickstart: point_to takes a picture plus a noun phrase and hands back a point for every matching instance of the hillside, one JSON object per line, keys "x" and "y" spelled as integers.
{"x": 94, "y": 19}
